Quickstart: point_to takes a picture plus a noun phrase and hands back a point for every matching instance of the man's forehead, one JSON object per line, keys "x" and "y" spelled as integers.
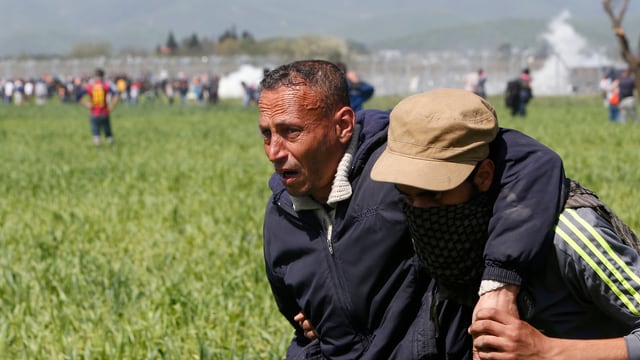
{"x": 290, "y": 107}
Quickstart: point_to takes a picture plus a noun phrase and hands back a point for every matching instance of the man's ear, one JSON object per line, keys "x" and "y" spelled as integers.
{"x": 484, "y": 175}
{"x": 345, "y": 123}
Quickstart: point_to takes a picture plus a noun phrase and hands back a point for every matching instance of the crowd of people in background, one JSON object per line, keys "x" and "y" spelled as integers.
{"x": 618, "y": 95}
{"x": 617, "y": 87}
{"x": 19, "y": 91}
{"x": 181, "y": 89}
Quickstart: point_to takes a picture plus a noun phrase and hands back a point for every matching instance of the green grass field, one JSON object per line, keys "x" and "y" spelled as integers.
{"x": 151, "y": 248}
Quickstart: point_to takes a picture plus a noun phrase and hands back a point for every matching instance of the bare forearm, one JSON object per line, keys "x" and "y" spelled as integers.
{"x": 500, "y": 335}
{"x": 114, "y": 102}
{"x": 605, "y": 349}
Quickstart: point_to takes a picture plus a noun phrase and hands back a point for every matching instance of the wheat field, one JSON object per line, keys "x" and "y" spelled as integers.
{"x": 151, "y": 248}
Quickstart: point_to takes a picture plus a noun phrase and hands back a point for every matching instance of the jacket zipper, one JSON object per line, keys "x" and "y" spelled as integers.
{"x": 328, "y": 226}
{"x": 337, "y": 281}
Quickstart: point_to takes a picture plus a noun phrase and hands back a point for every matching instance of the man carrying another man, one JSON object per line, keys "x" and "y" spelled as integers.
{"x": 338, "y": 253}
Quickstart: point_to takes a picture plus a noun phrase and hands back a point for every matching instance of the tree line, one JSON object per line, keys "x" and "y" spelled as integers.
{"x": 232, "y": 42}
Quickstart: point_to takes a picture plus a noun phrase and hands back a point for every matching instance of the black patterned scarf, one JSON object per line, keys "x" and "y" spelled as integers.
{"x": 449, "y": 241}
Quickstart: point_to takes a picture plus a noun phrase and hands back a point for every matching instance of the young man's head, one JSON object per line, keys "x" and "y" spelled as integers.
{"x": 437, "y": 156}
{"x": 437, "y": 140}
{"x": 306, "y": 123}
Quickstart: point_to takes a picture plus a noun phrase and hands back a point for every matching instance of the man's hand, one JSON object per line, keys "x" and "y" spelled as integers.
{"x": 308, "y": 329}
{"x": 503, "y": 298}
{"x": 498, "y": 334}
{"x": 352, "y": 76}
{"x": 86, "y": 104}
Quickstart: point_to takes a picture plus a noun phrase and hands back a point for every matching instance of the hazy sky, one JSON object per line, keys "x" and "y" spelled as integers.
{"x": 32, "y": 25}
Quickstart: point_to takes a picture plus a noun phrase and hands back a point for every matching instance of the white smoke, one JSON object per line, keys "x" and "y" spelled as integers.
{"x": 569, "y": 50}
{"x": 230, "y": 87}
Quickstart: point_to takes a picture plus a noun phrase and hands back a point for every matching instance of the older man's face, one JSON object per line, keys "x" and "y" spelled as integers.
{"x": 301, "y": 142}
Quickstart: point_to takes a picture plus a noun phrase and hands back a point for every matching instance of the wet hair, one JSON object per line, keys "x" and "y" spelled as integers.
{"x": 99, "y": 73}
{"x": 322, "y": 77}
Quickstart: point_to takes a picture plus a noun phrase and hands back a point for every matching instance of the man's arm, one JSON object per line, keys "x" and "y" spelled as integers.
{"x": 281, "y": 293}
{"x": 595, "y": 264}
{"x": 114, "y": 101}
{"x": 530, "y": 193}
{"x": 499, "y": 335}
{"x": 81, "y": 97}
{"x": 291, "y": 312}
{"x": 86, "y": 103}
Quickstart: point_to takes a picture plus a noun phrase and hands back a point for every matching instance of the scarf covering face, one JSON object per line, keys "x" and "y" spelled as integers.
{"x": 449, "y": 241}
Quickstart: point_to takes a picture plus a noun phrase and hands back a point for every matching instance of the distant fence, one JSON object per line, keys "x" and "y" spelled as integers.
{"x": 391, "y": 72}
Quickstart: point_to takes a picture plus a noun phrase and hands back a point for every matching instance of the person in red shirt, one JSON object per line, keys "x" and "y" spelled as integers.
{"x": 100, "y": 100}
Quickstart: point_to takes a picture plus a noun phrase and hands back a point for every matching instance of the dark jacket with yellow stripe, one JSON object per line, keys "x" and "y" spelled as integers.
{"x": 590, "y": 286}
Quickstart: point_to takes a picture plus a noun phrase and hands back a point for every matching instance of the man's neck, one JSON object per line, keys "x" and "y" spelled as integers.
{"x": 341, "y": 187}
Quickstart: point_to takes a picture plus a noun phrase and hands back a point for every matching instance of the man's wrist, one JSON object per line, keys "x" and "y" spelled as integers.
{"x": 497, "y": 272}
{"x": 490, "y": 285}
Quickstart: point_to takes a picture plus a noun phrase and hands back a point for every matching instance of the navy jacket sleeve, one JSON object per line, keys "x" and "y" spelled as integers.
{"x": 282, "y": 296}
{"x": 530, "y": 192}
{"x": 80, "y": 94}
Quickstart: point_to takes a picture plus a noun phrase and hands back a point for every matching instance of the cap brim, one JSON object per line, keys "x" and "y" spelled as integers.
{"x": 420, "y": 173}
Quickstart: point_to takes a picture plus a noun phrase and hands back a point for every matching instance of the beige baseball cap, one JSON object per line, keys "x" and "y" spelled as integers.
{"x": 436, "y": 138}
